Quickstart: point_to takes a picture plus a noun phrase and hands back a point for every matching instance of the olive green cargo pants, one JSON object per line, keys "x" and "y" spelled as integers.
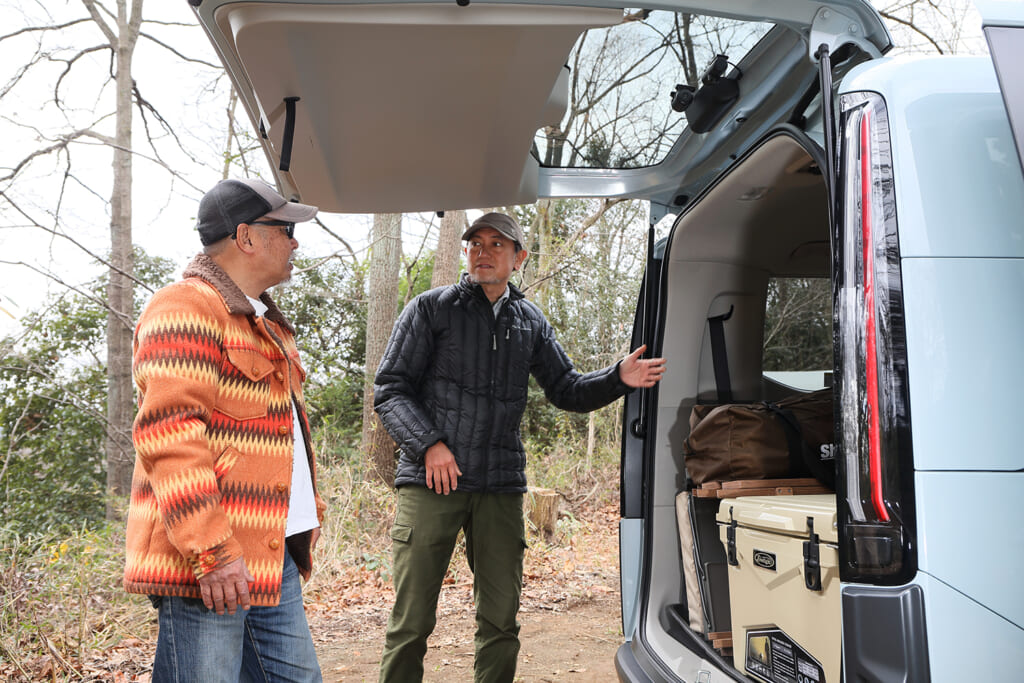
{"x": 423, "y": 538}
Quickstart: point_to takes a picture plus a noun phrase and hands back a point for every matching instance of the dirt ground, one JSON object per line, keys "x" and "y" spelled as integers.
{"x": 577, "y": 643}
{"x": 570, "y": 616}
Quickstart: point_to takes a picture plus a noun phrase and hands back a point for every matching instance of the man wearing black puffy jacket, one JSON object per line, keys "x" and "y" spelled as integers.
{"x": 451, "y": 391}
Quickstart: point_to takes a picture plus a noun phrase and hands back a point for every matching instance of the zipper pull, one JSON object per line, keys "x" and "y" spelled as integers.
{"x": 494, "y": 341}
{"x": 507, "y": 332}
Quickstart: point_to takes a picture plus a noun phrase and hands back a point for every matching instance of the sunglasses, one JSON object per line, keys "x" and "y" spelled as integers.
{"x": 289, "y": 228}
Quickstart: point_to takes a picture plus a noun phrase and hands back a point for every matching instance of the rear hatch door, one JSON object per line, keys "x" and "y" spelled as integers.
{"x": 420, "y": 106}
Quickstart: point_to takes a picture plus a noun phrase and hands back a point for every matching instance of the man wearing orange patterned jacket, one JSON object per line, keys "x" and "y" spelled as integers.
{"x": 224, "y": 511}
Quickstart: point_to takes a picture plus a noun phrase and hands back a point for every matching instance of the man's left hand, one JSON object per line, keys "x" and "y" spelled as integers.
{"x": 639, "y": 372}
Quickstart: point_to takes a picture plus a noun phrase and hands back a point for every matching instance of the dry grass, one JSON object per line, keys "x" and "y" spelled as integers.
{"x": 63, "y": 603}
{"x": 355, "y": 533}
{"x": 65, "y": 617}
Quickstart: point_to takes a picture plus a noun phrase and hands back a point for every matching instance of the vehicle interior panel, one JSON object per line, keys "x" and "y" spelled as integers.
{"x": 441, "y": 124}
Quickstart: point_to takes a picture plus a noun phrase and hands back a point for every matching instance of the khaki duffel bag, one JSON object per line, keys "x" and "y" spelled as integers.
{"x": 791, "y": 438}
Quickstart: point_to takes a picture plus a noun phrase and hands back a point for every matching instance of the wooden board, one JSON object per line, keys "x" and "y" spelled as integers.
{"x": 720, "y": 640}
{"x": 760, "y": 487}
{"x": 767, "y": 483}
{"x": 773, "y": 491}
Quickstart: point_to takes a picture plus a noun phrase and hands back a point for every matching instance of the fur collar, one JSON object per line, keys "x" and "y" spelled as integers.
{"x": 205, "y": 268}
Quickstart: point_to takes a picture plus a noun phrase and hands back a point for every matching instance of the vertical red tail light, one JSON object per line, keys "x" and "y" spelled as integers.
{"x": 875, "y": 468}
{"x": 870, "y": 328}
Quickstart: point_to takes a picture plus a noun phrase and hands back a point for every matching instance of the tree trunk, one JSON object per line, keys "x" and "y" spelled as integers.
{"x": 542, "y": 510}
{"x": 117, "y": 444}
{"x": 232, "y": 104}
{"x": 449, "y": 241}
{"x": 542, "y": 239}
{"x": 591, "y": 438}
{"x": 385, "y": 262}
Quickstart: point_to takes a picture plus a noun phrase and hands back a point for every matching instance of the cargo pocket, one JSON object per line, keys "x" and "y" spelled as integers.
{"x": 401, "y": 533}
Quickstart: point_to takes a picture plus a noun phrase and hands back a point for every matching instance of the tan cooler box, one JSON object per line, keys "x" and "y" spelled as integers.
{"x": 783, "y": 586}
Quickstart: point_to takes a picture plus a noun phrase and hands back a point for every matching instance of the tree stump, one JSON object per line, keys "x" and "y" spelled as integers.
{"x": 542, "y": 509}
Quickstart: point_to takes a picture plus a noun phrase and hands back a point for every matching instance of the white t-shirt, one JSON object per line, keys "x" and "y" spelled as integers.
{"x": 301, "y": 504}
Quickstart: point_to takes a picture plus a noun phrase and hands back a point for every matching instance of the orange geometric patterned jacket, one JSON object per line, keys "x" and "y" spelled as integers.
{"x": 213, "y": 439}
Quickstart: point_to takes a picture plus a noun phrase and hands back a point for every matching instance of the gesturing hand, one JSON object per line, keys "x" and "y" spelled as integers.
{"x": 227, "y": 587}
{"x": 442, "y": 470}
{"x": 641, "y": 372}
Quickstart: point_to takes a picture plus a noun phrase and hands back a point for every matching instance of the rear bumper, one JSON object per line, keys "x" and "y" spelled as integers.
{"x": 628, "y": 668}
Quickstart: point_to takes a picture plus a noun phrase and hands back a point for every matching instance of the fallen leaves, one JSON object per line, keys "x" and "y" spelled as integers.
{"x": 348, "y": 613}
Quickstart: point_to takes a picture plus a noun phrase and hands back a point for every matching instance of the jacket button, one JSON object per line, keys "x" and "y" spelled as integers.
{"x": 279, "y": 375}
{"x": 209, "y": 559}
{"x": 274, "y": 544}
{"x": 255, "y": 370}
{"x": 281, "y": 487}
{"x": 282, "y": 430}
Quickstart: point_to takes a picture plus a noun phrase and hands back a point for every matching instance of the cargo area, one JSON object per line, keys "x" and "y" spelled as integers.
{"x": 755, "y": 248}
{"x": 783, "y": 578}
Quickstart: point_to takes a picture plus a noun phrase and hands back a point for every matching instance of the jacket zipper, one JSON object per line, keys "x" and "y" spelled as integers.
{"x": 494, "y": 373}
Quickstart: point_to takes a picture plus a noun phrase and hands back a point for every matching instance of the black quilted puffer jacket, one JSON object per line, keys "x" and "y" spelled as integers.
{"x": 453, "y": 372}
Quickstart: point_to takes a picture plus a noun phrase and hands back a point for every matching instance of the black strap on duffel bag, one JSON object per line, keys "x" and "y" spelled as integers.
{"x": 810, "y": 433}
{"x": 788, "y": 439}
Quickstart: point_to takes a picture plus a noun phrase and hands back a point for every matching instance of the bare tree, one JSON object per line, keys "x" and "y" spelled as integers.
{"x": 619, "y": 114}
{"x": 555, "y": 247}
{"x": 122, "y": 35}
{"x": 946, "y": 27}
{"x": 111, "y": 101}
{"x": 446, "y": 259}
{"x": 385, "y": 261}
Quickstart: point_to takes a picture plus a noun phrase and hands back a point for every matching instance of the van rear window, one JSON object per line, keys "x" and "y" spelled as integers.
{"x": 798, "y": 332}
{"x": 619, "y": 113}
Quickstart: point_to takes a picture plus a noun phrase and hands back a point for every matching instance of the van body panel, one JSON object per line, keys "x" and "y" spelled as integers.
{"x": 949, "y": 131}
{"x": 631, "y": 548}
{"x": 949, "y": 505}
{"x": 966, "y": 641}
{"x": 964, "y": 332}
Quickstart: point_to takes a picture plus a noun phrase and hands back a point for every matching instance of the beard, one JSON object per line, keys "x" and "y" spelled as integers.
{"x": 486, "y": 280}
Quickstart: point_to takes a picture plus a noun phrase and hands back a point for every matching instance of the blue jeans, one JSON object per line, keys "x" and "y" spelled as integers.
{"x": 196, "y": 645}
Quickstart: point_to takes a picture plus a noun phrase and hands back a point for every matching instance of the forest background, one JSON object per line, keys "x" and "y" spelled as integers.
{"x": 116, "y": 117}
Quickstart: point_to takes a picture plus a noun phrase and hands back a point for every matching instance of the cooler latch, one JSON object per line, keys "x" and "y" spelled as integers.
{"x": 812, "y": 560}
{"x": 730, "y": 537}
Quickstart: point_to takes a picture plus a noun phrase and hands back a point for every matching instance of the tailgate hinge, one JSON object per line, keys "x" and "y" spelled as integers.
{"x": 835, "y": 29}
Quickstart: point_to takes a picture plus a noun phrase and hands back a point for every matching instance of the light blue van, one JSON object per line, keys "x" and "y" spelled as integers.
{"x": 891, "y": 211}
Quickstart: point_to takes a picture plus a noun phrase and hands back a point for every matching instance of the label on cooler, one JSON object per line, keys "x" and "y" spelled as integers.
{"x": 765, "y": 560}
{"x": 772, "y": 656}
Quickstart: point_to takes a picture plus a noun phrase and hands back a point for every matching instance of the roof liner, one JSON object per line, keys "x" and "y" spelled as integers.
{"x": 443, "y": 143}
